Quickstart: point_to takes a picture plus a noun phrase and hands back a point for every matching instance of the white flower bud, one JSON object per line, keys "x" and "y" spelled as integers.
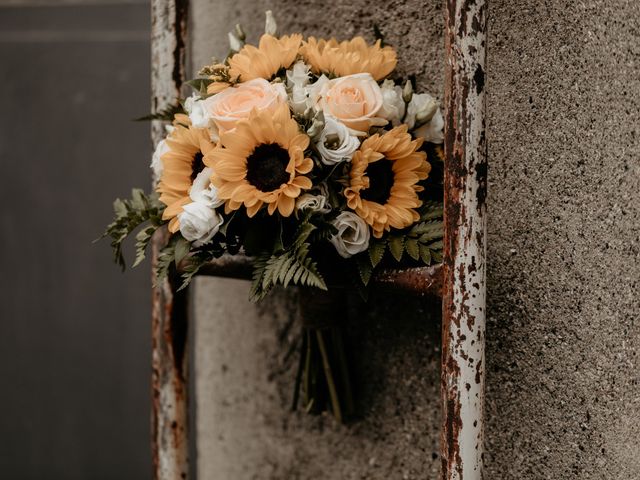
{"x": 235, "y": 43}
{"x": 315, "y": 203}
{"x": 270, "y": 27}
{"x": 432, "y": 131}
{"x": 336, "y": 144}
{"x": 156, "y": 160}
{"x": 197, "y": 111}
{"x": 421, "y": 108}
{"x": 297, "y": 80}
{"x": 353, "y": 234}
{"x": 240, "y": 32}
{"x": 199, "y": 223}
{"x": 393, "y": 105}
{"x": 203, "y": 192}
{"x": 407, "y": 92}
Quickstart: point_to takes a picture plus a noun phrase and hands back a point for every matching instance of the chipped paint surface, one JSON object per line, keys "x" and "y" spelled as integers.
{"x": 464, "y": 247}
{"x": 169, "y": 311}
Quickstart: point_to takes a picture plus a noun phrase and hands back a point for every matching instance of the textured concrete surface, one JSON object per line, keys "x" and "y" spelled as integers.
{"x": 563, "y": 398}
{"x": 564, "y": 202}
{"x": 74, "y": 331}
{"x": 243, "y": 382}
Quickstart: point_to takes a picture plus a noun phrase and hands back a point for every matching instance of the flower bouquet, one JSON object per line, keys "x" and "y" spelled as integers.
{"x": 306, "y": 157}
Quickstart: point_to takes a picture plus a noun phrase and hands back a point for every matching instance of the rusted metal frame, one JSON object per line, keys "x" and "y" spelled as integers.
{"x": 463, "y": 321}
{"x": 170, "y": 309}
{"x": 424, "y": 281}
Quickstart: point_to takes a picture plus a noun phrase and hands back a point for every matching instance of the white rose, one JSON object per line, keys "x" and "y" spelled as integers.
{"x": 393, "y": 105}
{"x": 203, "y": 192}
{"x": 199, "y": 223}
{"x": 315, "y": 203}
{"x": 197, "y": 112}
{"x": 297, "y": 80}
{"x": 353, "y": 234}
{"x": 336, "y": 144}
{"x": 432, "y": 131}
{"x": 156, "y": 159}
{"x": 422, "y": 105}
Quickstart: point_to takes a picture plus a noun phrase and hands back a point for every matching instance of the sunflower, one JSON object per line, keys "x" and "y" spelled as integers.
{"x": 181, "y": 164}
{"x": 349, "y": 57}
{"x": 271, "y": 55}
{"x": 383, "y": 181}
{"x": 261, "y": 161}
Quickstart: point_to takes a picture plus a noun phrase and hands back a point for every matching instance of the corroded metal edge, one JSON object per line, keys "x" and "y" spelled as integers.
{"x": 464, "y": 296}
{"x": 170, "y": 309}
{"x": 423, "y": 281}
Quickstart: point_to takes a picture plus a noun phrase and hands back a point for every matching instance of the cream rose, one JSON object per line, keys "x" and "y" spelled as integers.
{"x": 353, "y": 234}
{"x": 235, "y": 103}
{"x": 355, "y": 100}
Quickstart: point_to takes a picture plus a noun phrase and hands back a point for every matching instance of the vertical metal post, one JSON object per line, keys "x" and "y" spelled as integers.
{"x": 170, "y": 309}
{"x": 463, "y": 320}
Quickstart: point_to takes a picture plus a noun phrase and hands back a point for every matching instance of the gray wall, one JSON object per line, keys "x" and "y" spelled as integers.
{"x": 74, "y": 331}
{"x": 563, "y": 399}
{"x": 564, "y": 231}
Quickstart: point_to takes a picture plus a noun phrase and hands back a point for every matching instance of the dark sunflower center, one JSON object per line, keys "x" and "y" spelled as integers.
{"x": 266, "y": 167}
{"x": 197, "y": 165}
{"x": 381, "y": 180}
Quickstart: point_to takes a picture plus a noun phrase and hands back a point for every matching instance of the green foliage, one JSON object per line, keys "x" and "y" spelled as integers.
{"x": 165, "y": 114}
{"x": 290, "y": 265}
{"x": 420, "y": 243}
{"x": 200, "y": 85}
{"x": 129, "y": 215}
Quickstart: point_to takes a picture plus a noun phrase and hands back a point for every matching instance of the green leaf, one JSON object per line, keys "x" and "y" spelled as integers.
{"x": 200, "y": 84}
{"x": 396, "y": 246}
{"x": 166, "y": 114}
{"x": 365, "y": 269}
{"x": 376, "y": 251}
{"x": 436, "y": 245}
{"x": 425, "y": 255}
{"x": 411, "y": 246}
{"x": 182, "y": 249}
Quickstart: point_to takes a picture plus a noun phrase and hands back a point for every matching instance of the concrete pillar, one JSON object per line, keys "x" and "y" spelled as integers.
{"x": 563, "y": 333}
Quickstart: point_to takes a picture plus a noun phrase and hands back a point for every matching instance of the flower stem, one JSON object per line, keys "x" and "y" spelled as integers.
{"x": 333, "y": 393}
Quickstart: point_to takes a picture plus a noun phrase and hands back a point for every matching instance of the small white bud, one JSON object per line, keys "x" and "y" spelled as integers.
{"x": 235, "y": 44}
{"x": 240, "y": 32}
{"x": 426, "y": 113}
{"x": 407, "y": 92}
{"x": 271, "y": 27}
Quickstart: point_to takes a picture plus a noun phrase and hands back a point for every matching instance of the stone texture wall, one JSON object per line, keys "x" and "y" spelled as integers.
{"x": 564, "y": 228}
{"x": 563, "y": 398}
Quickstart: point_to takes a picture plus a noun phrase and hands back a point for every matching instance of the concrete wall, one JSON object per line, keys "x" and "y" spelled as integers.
{"x": 563, "y": 398}
{"x": 564, "y": 308}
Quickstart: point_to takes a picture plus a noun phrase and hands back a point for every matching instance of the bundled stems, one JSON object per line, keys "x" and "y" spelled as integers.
{"x": 322, "y": 379}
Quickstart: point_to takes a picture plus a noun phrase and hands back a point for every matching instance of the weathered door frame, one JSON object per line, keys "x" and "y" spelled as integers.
{"x": 464, "y": 267}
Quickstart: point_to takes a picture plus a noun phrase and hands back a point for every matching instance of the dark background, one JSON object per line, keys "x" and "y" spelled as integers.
{"x": 74, "y": 331}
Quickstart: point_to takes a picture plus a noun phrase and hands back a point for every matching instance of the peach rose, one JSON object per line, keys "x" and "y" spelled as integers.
{"x": 235, "y": 103}
{"x": 355, "y": 100}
